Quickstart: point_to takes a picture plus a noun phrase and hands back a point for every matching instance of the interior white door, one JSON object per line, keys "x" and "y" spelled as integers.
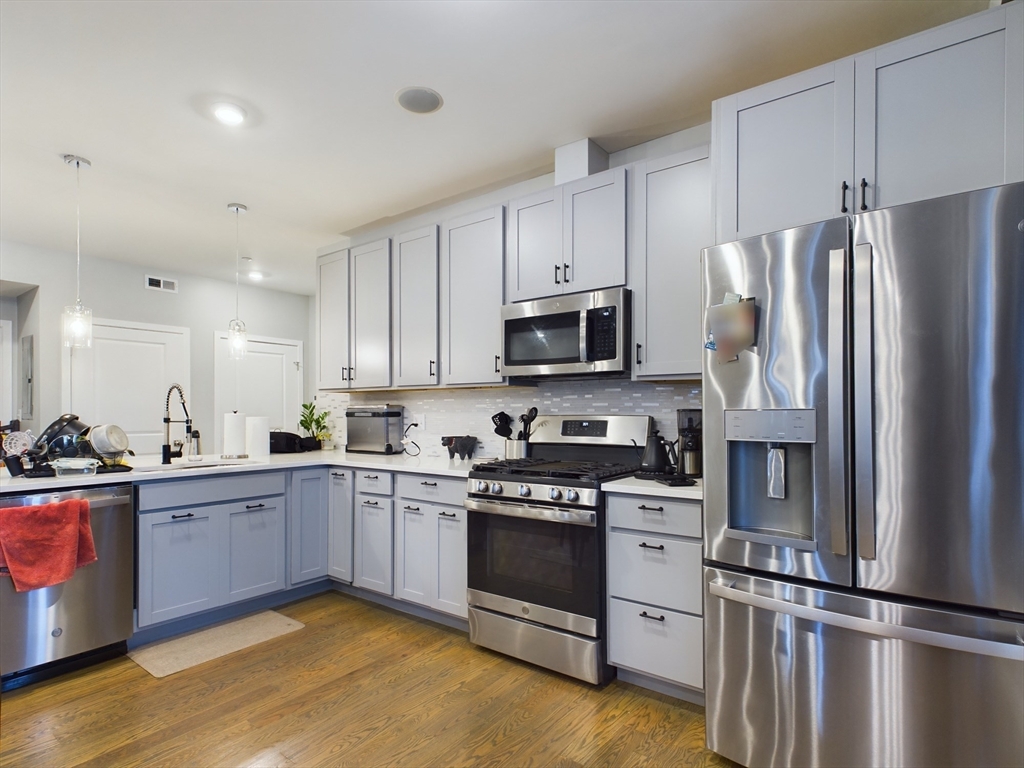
{"x": 266, "y": 382}
{"x": 6, "y": 371}
{"x": 123, "y": 379}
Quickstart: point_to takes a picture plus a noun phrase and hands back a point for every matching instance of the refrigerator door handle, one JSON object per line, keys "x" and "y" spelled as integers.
{"x": 727, "y": 591}
{"x": 863, "y": 402}
{"x": 837, "y": 399}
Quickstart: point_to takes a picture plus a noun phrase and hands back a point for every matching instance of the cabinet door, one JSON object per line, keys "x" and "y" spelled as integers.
{"x": 178, "y": 556}
{"x": 415, "y": 298}
{"x": 942, "y": 112}
{"x": 339, "y": 558}
{"x": 450, "y": 558}
{"x": 784, "y": 151}
{"x": 332, "y": 327}
{"x": 671, "y": 224}
{"x": 373, "y": 544}
{"x": 471, "y": 285}
{"x": 594, "y": 232}
{"x": 415, "y": 552}
{"x": 254, "y": 561}
{"x": 308, "y": 517}
{"x": 371, "y": 315}
{"x": 534, "y": 261}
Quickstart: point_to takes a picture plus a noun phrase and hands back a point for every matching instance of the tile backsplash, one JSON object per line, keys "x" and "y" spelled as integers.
{"x": 469, "y": 411}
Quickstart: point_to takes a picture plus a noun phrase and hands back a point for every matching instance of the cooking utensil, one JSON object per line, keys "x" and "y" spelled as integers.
{"x": 108, "y": 439}
{"x": 527, "y": 419}
{"x": 502, "y": 424}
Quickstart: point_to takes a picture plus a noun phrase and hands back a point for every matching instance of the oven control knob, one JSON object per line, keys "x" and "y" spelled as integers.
{"x": 524, "y": 490}
{"x": 554, "y": 494}
{"x": 572, "y": 495}
{"x": 481, "y": 486}
{"x": 496, "y": 488}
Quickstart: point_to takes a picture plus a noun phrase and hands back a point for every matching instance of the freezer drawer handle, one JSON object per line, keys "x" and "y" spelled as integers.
{"x": 727, "y": 591}
{"x": 646, "y": 615}
{"x": 179, "y": 517}
{"x": 659, "y": 547}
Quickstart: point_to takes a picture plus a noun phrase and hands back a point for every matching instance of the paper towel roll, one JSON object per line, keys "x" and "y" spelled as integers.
{"x": 234, "y": 435}
{"x": 257, "y": 437}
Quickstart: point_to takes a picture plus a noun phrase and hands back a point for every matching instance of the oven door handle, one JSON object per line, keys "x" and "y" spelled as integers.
{"x": 547, "y": 514}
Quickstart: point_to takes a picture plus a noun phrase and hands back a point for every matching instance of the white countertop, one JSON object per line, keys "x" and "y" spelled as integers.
{"x": 283, "y": 461}
{"x": 650, "y": 488}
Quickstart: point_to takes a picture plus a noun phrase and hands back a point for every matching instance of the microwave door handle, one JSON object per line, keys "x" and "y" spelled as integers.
{"x": 584, "y": 347}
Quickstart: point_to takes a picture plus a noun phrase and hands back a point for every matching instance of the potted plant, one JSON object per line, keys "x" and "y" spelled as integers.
{"x": 314, "y": 423}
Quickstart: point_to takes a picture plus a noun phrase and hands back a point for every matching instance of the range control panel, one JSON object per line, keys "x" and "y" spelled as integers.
{"x": 588, "y": 428}
{"x": 772, "y": 425}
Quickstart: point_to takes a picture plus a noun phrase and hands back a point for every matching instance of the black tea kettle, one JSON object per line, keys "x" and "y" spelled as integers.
{"x": 657, "y": 455}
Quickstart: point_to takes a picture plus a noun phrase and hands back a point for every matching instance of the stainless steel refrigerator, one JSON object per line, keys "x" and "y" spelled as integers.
{"x": 864, "y": 488}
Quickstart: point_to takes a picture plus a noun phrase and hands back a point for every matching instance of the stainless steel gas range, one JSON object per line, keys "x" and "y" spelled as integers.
{"x": 536, "y": 547}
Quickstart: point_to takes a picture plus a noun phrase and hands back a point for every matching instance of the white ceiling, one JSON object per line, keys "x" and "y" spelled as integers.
{"x": 128, "y": 85}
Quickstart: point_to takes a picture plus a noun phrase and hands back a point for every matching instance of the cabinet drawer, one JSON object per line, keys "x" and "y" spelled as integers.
{"x": 212, "y": 490}
{"x": 663, "y": 643}
{"x": 432, "y": 488}
{"x": 656, "y": 571}
{"x": 373, "y": 481}
{"x": 657, "y": 515}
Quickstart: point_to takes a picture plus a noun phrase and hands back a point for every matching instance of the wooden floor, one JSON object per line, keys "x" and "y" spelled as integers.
{"x": 359, "y": 685}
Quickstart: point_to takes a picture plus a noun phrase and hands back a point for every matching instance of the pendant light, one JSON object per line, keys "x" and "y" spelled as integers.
{"x": 76, "y": 322}
{"x": 236, "y": 328}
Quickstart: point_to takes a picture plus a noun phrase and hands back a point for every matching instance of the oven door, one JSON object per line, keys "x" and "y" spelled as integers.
{"x": 524, "y": 561}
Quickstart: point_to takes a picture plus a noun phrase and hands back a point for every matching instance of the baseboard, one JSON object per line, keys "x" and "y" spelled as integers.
{"x": 658, "y": 685}
{"x": 418, "y": 611}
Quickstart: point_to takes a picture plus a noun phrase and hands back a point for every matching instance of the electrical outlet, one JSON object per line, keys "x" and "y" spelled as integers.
{"x": 421, "y": 419}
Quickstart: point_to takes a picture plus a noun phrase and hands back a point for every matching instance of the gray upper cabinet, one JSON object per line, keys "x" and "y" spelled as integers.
{"x": 415, "y": 300}
{"x": 339, "y": 529}
{"x": 934, "y": 114}
{"x": 255, "y": 558}
{"x": 332, "y": 326}
{"x": 309, "y": 524}
{"x": 370, "y": 315}
{"x": 783, "y": 152}
{"x": 534, "y": 262}
{"x": 594, "y": 232}
{"x": 471, "y": 285}
{"x": 942, "y": 112}
{"x": 672, "y": 222}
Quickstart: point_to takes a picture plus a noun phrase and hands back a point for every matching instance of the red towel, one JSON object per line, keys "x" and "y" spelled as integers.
{"x": 42, "y": 546}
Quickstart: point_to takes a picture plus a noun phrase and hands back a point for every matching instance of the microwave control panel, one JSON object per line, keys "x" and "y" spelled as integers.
{"x": 601, "y": 333}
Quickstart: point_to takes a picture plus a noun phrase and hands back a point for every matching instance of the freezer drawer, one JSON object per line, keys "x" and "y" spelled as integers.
{"x": 798, "y": 676}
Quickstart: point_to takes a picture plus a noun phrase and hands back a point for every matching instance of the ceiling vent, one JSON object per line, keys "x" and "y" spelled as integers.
{"x": 161, "y": 284}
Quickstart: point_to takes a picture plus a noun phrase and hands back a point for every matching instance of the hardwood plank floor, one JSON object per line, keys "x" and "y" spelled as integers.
{"x": 360, "y": 685}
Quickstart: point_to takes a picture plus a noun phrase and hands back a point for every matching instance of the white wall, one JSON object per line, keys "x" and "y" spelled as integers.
{"x": 115, "y": 290}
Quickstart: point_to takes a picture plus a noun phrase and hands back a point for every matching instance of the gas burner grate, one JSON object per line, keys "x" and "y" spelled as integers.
{"x": 571, "y": 470}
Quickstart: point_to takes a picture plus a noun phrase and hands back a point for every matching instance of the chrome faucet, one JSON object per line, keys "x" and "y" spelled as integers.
{"x": 165, "y": 452}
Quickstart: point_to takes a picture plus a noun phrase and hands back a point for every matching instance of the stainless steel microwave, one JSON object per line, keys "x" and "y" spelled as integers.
{"x": 567, "y": 335}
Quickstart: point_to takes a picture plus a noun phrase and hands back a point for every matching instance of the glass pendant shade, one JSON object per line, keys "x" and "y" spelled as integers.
{"x": 236, "y": 339}
{"x": 76, "y": 323}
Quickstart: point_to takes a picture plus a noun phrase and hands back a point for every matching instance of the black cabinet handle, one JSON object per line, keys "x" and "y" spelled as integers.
{"x": 646, "y": 615}
{"x": 863, "y": 194}
{"x": 557, "y": 281}
{"x": 413, "y": 509}
{"x": 846, "y": 187}
{"x": 429, "y": 485}
{"x": 447, "y": 514}
{"x": 371, "y": 477}
{"x": 497, "y": 369}
{"x": 372, "y": 503}
{"x": 338, "y": 474}
{"x": 645, "y": 545}
{"x": 639, "y": 346}
{"x": 343, "y": 373}
{"x": 645, "y": 508}
{"x": 565, "y": 272}
{"x": 178, "y": 517}
{"x": 255, "y": 506}
{"x": 431, "y": 367}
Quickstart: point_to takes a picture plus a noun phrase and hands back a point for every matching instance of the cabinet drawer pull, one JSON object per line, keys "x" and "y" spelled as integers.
{"x": 414, "y": 509}
{"x": 429, "y": 485}
{"x": 638, "y": 348}
{"x": 447, "y": 514}
{"x": 645, "y": 508}
{"x": 374, "y": 503}
{"x": 255, "y": 506}
{"x": 338, "y": 474}
{"x": 557, "y": 281}
{"x": 645, "y": 545}
{"x": 646, "y": 615}
{"x": 179, "y": 517}
{"x": 863, "y": 194}
{"x": 845, "y": 187}
{"x": 371, "y": 477}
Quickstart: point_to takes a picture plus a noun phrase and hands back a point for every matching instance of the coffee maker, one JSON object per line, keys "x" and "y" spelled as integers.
{"x": 689, "y": 426}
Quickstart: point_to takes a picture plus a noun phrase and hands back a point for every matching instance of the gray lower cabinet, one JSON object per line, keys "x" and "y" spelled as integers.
{"x": 414, "y": 551}
{"x": 309, "y": 519}
{"x": 449, "y": 593}
{"x": 255, "y": 561}
{"x": 655, "y": 588}
{"x": 372, "y": 544}
{"x": 339, "y": 528}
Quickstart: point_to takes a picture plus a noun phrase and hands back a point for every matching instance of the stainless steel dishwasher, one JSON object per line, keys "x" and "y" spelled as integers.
{"x": 90, "y": 611}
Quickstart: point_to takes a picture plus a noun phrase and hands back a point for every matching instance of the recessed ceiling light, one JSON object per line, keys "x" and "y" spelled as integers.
{"x": 418, "y": 99}
{"x": 255, "y": 275}
{"x": 229, "y": 114}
